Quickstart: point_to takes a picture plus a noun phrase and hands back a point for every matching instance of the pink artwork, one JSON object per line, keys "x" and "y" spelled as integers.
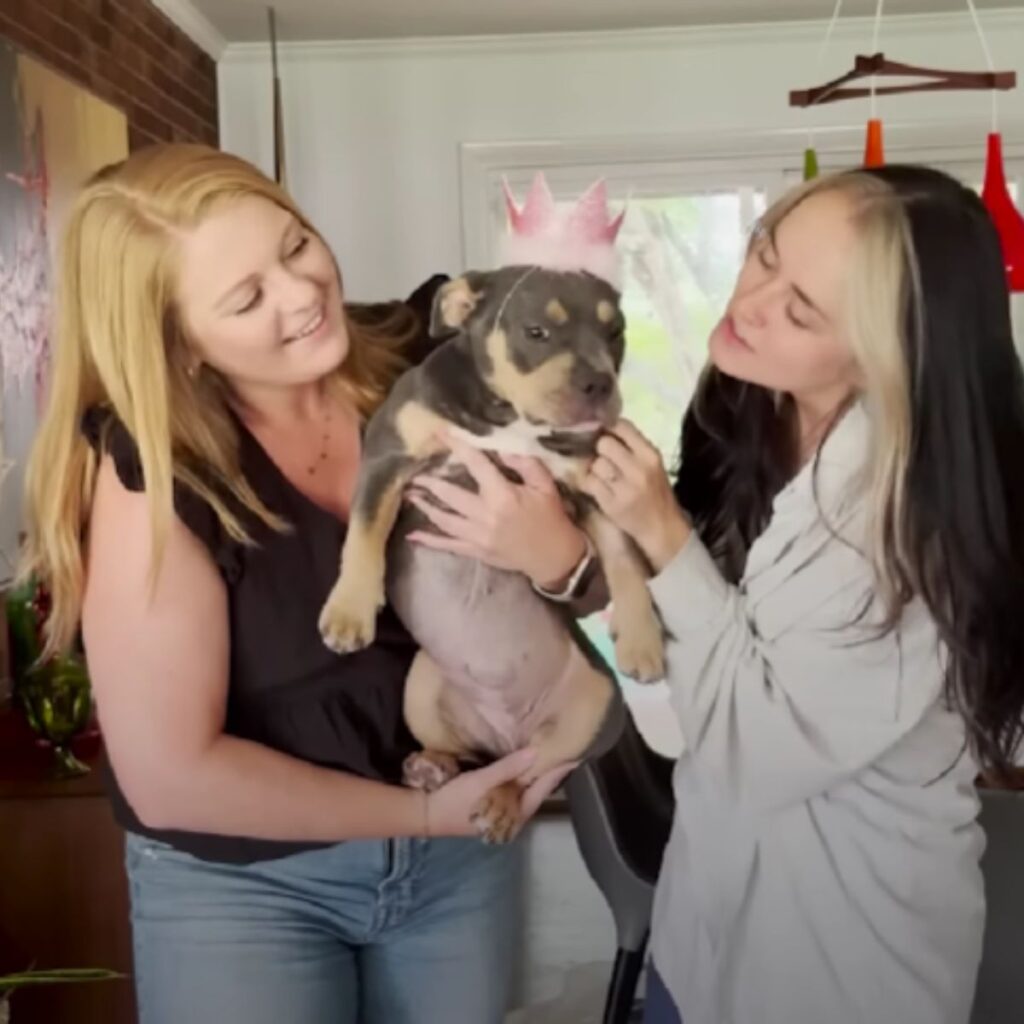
{"x": 25, "y": 276}
{"x": 53, "y": 136}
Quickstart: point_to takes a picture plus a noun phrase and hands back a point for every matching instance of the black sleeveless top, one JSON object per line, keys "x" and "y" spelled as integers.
{"x": 286, "y": 690}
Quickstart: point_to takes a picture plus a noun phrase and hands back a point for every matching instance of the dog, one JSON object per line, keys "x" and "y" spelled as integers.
{"x": 529, "y": 366}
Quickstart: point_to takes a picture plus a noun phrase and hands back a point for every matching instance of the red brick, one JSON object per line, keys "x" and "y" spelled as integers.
{"x": 149, "y": 44}
{"x": 59, "y": 34}
{"x": 149, "y": 122}
{"x": 13, "y": 11}
{"x": 137, "y": 138}
{"x": 71, "y": 12}
{"x": 158, "y": 24}
{"x": 128, "y": 53}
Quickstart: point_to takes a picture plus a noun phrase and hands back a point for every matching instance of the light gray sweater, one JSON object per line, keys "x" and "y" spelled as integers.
{"x": 824, "y": 861}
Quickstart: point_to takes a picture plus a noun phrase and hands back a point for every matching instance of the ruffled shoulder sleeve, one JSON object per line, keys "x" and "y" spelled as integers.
{"x": 109, "y": 436}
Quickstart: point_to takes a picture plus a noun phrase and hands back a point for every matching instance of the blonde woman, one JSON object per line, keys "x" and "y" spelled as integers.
{"x": 187, "y": 499}
{"x": 841, "y": 568}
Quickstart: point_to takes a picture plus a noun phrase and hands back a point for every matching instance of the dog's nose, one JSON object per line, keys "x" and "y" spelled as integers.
{"x": 596, "y": 385}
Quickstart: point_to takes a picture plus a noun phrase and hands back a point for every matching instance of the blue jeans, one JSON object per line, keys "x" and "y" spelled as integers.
{"x": 658, "y": 1005}
{"x": 396, "y": 932}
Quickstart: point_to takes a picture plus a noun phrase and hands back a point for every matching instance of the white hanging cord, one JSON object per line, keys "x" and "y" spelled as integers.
{"x": 874, "y": 49}
{"x": 988, "y": 61}
{"x": 822, "y": 51}
{"x": 508, "y": 295}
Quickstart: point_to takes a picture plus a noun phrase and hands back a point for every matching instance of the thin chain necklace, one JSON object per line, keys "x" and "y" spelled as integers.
{"x": 325, "y": 444}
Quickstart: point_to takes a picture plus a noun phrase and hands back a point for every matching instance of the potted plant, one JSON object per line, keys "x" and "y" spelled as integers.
{"x": 10, "y": 982}
{"x": 54, "y": 694}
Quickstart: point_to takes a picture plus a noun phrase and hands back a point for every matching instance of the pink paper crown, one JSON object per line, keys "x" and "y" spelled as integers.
{"x": 581, "y": 239}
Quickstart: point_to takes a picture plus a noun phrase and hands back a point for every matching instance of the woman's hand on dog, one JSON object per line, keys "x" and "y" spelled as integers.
{"x": 520, "y": 527}
{"x": 629, "y": 483}
{"x": 451, "y": 809}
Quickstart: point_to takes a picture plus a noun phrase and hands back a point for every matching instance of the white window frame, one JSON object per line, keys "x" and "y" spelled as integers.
{"x": 655, "y": 166}
{"x": 665, "y": 165}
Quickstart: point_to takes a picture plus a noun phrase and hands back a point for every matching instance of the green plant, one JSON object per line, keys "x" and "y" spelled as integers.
{"x": 69, "y": 975}
{"x": 54, "y": 694}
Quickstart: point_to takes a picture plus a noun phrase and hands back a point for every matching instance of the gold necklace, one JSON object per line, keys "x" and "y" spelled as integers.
{"x": 325, "y": 444}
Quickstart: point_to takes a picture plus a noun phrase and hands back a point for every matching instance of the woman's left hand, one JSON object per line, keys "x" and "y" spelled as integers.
{"x": 520, "y": 527}
{"x": 629, "y": 483}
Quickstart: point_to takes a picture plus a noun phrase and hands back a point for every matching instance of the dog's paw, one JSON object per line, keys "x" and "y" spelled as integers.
{"x": 496, "y": 816}
{"x": 428, "y": 770}
{"x": 639, "y": 643}
{"x": 348, "y": 621}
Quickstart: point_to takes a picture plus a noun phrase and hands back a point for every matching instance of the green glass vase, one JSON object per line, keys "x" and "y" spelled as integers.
{"x": 54, "y": 695}
{"x": 57, "y": 701}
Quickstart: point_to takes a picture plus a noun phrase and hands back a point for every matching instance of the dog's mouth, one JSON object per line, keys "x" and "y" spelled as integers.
{"x": 578, "y": 416}
{"x": 586, "y": 427}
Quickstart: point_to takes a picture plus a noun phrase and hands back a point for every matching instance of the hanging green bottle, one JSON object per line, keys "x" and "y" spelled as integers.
{"x": 810, "y": 163}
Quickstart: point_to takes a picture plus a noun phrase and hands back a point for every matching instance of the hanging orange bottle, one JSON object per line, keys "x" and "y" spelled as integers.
{"x": 874, "y": 150}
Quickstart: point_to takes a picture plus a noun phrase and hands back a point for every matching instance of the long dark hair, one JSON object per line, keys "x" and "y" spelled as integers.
{"x": 948, "y": 487}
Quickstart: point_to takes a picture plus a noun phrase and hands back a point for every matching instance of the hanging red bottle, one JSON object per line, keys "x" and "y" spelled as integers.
{"x": 1009, "y": 223}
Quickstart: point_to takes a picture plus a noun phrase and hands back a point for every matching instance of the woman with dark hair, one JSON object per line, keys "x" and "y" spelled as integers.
{"x": 839, "y": 566}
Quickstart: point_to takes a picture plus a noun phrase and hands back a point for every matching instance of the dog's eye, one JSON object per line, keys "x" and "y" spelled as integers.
{"x": 537, "y": 333}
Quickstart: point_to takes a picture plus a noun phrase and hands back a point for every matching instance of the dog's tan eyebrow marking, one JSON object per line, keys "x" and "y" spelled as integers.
{"x": 605, "y": 311}
{"x": 528, "y": 391}
{"x": 556, "y": 312}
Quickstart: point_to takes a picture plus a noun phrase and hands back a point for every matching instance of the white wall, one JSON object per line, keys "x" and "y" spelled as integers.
{"x": 373, "y": 129}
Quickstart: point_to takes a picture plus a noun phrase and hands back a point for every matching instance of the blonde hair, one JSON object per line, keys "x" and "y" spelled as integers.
{"x": 882, "y": 283}
{"x": 120, "y": 344}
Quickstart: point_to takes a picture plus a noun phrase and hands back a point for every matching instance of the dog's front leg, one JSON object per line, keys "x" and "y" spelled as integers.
{"x": 635, "y": 625}
{"x": 348, "y": 621}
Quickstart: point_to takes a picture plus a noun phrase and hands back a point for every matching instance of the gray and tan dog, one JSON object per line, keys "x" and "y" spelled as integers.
{"x": 531, "y": 369}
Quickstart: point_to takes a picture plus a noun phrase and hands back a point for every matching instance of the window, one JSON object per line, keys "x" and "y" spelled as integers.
{"x": 692, "y": 204}
{"x": 681, "y": 255}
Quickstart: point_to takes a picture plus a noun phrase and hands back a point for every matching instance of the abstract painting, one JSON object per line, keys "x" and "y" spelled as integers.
{"x": 53, "y": 136}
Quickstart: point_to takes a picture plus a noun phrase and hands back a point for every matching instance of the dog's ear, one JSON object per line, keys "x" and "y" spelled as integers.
{"x": 454, "y": 302}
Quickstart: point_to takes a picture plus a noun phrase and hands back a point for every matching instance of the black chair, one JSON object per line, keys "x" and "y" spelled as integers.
{"x": 621, "y": 808}
{"x": 999, "y": 997}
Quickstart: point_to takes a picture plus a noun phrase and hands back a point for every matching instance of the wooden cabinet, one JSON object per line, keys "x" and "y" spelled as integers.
{"x": 63, "y": 890}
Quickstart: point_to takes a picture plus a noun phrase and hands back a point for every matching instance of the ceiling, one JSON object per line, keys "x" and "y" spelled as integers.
{"x": 246, "y": 20}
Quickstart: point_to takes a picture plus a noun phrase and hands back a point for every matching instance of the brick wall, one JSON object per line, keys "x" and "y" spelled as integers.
{"x": 128, "y": 53}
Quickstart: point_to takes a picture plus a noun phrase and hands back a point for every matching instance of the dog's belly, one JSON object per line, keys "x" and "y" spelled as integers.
{"x": 501, "y": 648}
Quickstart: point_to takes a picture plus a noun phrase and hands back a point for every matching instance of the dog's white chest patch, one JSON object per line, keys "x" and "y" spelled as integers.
{"x": 521, "y": 438}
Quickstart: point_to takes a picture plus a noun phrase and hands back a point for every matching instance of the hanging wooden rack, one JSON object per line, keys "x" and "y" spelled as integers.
{"x": 938, "y": 80}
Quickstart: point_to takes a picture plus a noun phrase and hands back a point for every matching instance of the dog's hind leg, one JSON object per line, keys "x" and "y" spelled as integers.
{"x": 438, "y": 762}
{"x": 587, "y": 722}
{"x": 496, "y": 815}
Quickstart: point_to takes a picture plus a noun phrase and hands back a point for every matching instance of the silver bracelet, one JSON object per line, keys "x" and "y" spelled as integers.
{"x": 568, "y": 592}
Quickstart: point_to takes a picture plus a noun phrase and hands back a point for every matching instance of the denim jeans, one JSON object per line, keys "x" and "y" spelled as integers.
{"x": 658, "y": 1005}
{"x": 395, "y": 932}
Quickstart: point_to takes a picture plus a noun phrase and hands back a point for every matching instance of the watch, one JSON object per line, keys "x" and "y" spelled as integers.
{"x": 568, "y": 592}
